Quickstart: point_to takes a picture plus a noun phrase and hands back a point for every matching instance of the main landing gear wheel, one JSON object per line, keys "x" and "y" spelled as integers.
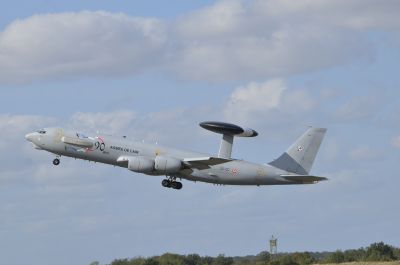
{"x": 56, "y": 162}
{"x": 176, "y": 185}
{"x": 171, "y": 184}
{"x": 166, "y": 183}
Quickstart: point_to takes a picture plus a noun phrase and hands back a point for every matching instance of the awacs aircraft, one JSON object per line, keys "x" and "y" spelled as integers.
{"x": 292, "y": 167}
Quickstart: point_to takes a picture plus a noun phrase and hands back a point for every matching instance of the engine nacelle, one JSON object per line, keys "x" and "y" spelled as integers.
{"x": 167, "y": 164}
{"x": 141, "y": 164}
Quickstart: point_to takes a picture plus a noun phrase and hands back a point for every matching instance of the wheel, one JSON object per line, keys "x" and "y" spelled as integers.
{"x": 176, "y": 185}
{"x": 56, "y": 162}
{"x": 166, "y": 183}
{"x": 179, "y": 186}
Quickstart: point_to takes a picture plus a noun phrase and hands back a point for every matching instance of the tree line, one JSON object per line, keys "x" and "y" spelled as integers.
{"x": 375, "y": 252}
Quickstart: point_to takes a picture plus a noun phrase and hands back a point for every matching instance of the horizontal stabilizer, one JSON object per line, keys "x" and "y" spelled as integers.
{"x": 204, "y": 162}
{"x": 84, "y": 143}
{"x": 305, "y": 179}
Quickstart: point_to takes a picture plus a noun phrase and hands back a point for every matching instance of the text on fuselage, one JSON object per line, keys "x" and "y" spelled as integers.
{"x": 124, "y": 149}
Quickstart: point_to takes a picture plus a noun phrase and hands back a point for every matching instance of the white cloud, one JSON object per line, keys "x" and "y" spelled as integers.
{"x": 104, "y": 122}
{"x": 223, "y": 17}
{"x": 83, "y": 43}
{"x": 267, "y": 101}
{"x": 14, "y": 128}
{"x": 227, "y": 40}
{"x": 362, "y": 153}
{"x": 23, "y": 164}
{"x": 241, "y": 40}
{"x": 356, "y": 14}
{"x": 14, "y": 125}
{"x": 360, "y": 107}
{"x": 299, "y": 100}
{"x": 167, "y": 127}
{"x": 254, "y": 98}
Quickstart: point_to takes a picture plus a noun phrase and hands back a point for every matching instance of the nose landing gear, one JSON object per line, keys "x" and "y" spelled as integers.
{"x": 56, "y": 161}
{"x": 171, "y": 183}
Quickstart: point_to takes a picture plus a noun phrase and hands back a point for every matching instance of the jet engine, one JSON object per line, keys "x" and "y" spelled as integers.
{"x": 141, "y": 164}
{"x": 167, "y": 164}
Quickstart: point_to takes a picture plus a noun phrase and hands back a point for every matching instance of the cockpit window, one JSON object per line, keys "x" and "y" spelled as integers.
{"x": 41, "y": 131}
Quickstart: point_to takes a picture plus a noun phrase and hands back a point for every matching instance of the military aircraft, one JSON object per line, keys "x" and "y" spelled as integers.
{"x": 292, "y": 167}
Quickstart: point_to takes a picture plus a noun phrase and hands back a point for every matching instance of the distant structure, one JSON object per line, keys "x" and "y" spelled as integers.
{"x": 273, "y": 245}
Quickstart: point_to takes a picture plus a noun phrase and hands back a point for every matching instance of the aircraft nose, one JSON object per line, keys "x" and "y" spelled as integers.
{"x": 29, "y": 137}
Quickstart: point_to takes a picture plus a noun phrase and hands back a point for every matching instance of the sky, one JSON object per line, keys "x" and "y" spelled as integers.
{"x": 152, "y": 70}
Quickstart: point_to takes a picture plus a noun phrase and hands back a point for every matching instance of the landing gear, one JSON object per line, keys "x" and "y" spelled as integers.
{"x": 176, "y": 185}
{"x": 166, "y": 183}
{"x": 56, "y": 162}
{"x": 171, "y": 183}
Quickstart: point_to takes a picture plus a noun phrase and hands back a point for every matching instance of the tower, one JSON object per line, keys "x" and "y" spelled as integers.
{"x": 273, "y": 245}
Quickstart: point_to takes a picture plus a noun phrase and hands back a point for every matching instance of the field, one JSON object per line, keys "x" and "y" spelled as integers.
{"x": 368, "y": 263}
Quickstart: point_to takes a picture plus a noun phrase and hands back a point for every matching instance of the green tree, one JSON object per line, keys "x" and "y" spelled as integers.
{"x": 354, "y": 255}
{"x": 192, "y": 259}
{"x": 396, "y": 253}
{"x": 287, "y": 260}
{"x": 380, "y": 252}
{"x": 120, "y": 262}
{"x": 303, "y": 258}
{"x": 207, "y": 260}
{"x": 151, "y": 261}
{"x": 263, "y": 256}
{"x": 222, "y": 260}
{"x": 171, "y": 259}
{"x": 335, "y": 257}
{"x": 137, "y": 261}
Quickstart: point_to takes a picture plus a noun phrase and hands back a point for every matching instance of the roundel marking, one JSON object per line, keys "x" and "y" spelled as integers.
{"x": 234, "y": 171}
{"x": 299, "y": 148}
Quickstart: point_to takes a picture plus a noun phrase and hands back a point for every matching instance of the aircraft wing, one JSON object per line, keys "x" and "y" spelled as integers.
{"x": 304, "y": 179}
{"x": 204, "y": 162}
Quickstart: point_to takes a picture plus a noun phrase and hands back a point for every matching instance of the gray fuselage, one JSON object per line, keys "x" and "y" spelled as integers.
{"x": 109, "y": 149}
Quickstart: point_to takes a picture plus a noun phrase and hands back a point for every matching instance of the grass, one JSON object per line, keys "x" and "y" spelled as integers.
{"x": 368, "y": 263}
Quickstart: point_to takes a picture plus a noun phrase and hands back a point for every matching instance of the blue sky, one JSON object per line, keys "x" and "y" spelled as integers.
{"x": 153, "y": 70}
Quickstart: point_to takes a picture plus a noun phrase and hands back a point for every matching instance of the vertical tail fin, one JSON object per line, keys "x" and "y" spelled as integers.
{"x": 300, "y": 156}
